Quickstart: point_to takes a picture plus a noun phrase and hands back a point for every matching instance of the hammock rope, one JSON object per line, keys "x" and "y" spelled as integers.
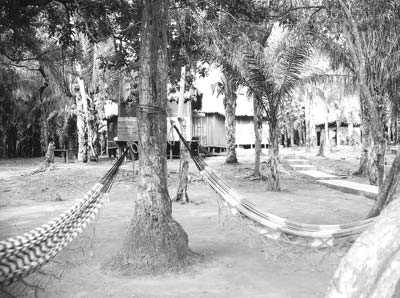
{"x": 272, "y": 226}
{"x": 24, "y": 254}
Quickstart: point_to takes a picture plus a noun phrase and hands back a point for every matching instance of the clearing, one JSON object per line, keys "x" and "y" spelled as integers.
{"x": 229, "y": 266}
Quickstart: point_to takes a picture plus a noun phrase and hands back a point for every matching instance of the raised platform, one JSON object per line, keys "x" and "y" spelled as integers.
{"x": 369, "y": 191}
{"x": 318, "y": 174}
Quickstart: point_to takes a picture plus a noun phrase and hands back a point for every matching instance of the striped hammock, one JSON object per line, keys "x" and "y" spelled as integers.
{"x": 275, "y": 227}
{"x": 24, "y": 254}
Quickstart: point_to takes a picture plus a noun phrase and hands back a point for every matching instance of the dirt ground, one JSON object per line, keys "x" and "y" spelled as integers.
{"x": 229, "y": 266}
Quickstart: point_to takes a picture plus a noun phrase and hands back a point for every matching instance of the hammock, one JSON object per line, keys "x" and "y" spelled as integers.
{"x": 24, "y": 254}
{"x": 275, "y": 227}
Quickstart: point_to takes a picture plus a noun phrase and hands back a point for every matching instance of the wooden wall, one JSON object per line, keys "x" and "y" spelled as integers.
{"x": 127, "y": 129}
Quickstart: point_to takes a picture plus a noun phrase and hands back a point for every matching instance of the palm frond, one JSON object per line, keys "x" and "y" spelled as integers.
{"x": 289, "y": 66}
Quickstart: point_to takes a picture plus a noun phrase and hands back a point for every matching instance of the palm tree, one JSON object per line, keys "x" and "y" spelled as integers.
{"x": 371, "y": 36}
{"x": 258, "y": 127}
{"x": 271, "y": 74}
{"x": 227, "y": 87}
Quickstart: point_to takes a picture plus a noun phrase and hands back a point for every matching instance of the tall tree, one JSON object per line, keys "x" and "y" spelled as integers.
{"x": 258, "y": 127}
{"x": 362, "y": 35}
{"x": 372, "y": 37}
{"x": 230, "y": 101}
{"x": 221, "y": 31}
{"x": 271, "y": 73}
{"x": 181, "y": 193}
{"x": 154, "y": 240}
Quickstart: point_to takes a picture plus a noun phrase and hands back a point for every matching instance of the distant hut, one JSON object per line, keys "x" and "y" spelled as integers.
{"x": 209, "y": 122}
{"x": 209, "y": 129}
{"x": 343, "y": 123}
{"x": 205, "y": 121}
{"x": 121, "y": 126}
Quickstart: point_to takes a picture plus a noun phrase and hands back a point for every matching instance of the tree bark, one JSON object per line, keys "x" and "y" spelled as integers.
{"x": 337, "y": 133}
{"x": 291, "y": 144}
{"x": 388, "y": 189}
{"x": 321, "y": 150}
{"x": 90, "y": 129}
{"x": 370, "y": 97}
{"x": 300, "y": 131}
{"x": 230, "y": 119}
{"x": 362, "y": 170}
{"x": 81, "y": 127}
{"x": 308, "y": 121}
{"x": 369, "y": 159}
{"x": 257, "y": 119}
{"x": 327, "y": 141}
{"x": 70, "y": 131}
{"x": 154, "y": 242}
{"x": 44, "y": 133}
{"x": 285, "y": 138}
{"x": 273, "y": 179}
{"x": 181, "y": 193}
{"x": 370, "y": 268}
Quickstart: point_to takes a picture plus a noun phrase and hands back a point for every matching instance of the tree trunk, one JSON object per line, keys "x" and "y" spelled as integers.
{"x": 44, "y": 131}
{"x": 308, "y": 122}
{"x": 154, "y": 242}
{"x": 327, "y": 141}
{"x": 90, "y": 130}
{"x": 376, "y": 153}
{"x": 81, "y": 127}
{"x": 388, "y": 189}
{"x": 71, "y": 133}
{"x": 371, "y": 266}
{"x": 362, "y": 170}
{"x": 350, "y": 130}
{"x": 321, "y": 150}
{"x": 370, "y": 157}
{"x": 230, "y": 119}
{"x": 337, "y": 133}
{"x": 273, "y": 179}
{"x": 371, "y": 100}
{"x": 257, "y": 119}
{"x": 291, "y": 144}
{"x": 181, "y": 193}
{"x": 285, "y": 138}
{"x": 300, "y": 131}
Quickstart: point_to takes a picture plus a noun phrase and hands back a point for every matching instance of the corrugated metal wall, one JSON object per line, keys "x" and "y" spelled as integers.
{"x": 210, "y": 128}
